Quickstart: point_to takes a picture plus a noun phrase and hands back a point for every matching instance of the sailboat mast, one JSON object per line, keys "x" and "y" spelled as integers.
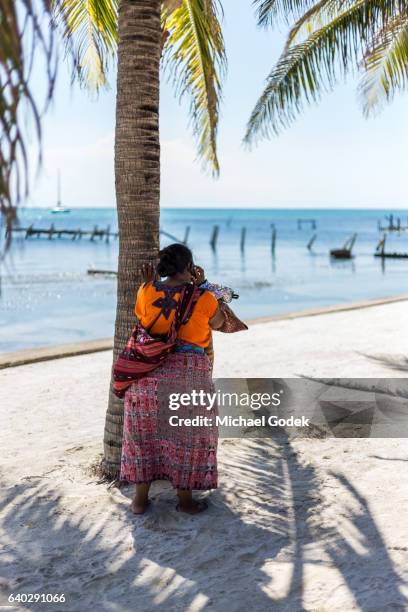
{"x": 59, "y": 189}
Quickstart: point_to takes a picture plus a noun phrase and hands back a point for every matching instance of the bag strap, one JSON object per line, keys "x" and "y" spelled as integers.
{"x": 187, "y": 302}
{"x": 154, "y": 320}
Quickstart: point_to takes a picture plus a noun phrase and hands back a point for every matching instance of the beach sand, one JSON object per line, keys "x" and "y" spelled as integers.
{"x": 304, "y": 524}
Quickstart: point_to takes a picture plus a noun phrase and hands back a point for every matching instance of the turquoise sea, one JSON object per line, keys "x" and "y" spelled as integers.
{"x": 48, "y": 298}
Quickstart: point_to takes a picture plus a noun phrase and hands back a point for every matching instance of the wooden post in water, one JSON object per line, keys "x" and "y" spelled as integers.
{"x": 380, "y": 248}
{"x": 29, "y": 231}
{"x": 311, "y": 242}
{"x": 214, "y": 237}
{"x": 352, "y": 242}
{"x": 107, "y": 234}
{"x": 273, "y": 241}
{"x": 51, "y": 232}
{"x": 95, "y": 229}
{"x": 186, "y": 234}
{"x": 382, "y": 244}
{"x": 243, "y": 236}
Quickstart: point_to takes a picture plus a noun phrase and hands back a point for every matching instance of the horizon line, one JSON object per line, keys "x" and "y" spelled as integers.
{"x": 238, "y": 207}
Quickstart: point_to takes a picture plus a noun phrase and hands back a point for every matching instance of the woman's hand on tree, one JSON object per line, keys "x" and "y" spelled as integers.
{"x": 148, "y": 273}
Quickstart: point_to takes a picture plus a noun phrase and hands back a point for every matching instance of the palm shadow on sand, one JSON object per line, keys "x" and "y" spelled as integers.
{"x": 397, "y": 363}
{"x": 267, "y": 512}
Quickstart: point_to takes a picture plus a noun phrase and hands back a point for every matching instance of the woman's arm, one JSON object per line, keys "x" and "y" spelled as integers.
{"x": 217, "y": 320}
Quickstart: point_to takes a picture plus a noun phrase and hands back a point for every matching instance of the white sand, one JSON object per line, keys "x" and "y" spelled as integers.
{"x": 295, "y": 525}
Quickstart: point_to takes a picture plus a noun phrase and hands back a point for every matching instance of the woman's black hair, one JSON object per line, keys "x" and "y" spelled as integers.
{"x": 173, "y": 259}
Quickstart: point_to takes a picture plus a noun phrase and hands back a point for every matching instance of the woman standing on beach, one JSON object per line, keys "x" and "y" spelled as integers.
{"x": 153, "y": 450}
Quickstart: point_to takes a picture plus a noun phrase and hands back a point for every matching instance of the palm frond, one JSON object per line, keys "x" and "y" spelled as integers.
{"x": 386, "y": 65}
{"x": 319, "y": 15}
{"x": 26, "y": 33}
{"x": 89, "y": 28}
{"x": 270, "y": 12}
{"x": 307, "y": 69}
{"x": 194, "y": 57}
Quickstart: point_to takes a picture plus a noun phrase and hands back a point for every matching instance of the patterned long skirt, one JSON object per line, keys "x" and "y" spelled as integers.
{"x": 154, "y": 450}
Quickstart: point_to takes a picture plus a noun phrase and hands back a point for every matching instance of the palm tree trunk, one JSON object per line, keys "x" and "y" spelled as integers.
{"x": 137, "y": 172}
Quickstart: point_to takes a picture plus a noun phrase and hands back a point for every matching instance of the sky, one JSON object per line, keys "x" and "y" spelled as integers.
{"x": 331, "y": 157}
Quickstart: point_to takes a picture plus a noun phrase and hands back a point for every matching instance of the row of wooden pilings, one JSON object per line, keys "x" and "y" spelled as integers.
{"x": 300, "y": 223}
{"x": 216, "y": 231}
{"x": 96, "y": 232}
{"x": 107, "y": 234}
{"x": 76, "y": 234}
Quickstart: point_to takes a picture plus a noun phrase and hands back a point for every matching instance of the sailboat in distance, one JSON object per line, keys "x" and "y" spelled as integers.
{"x": 59, "y": 207}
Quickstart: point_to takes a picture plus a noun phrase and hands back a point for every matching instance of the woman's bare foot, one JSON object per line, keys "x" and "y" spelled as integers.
{"x": 188, "y": 504}
{"x": 141, "y": 499}
{"x": 138, "y": 507}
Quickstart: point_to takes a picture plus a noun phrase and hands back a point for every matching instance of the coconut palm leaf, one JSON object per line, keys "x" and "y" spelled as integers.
{"x": 386, "y": 64}
{"x": 269, "y": 12}
{"x": 308, "y": 68}
{"x": 26, "y": 33}
{"x": 194, "y": 56}
{"x": 90, "y": 31}
{"x": 315, "y": 18}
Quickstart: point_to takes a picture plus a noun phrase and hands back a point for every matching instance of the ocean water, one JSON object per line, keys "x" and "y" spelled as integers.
{"x": 47, "y": 297}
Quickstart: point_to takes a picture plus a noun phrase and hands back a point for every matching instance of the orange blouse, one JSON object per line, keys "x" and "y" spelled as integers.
{"x": 153, "y": 296}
